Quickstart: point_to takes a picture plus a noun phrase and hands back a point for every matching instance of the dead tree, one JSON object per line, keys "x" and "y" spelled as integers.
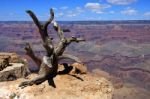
{"x": 49, "y": 64}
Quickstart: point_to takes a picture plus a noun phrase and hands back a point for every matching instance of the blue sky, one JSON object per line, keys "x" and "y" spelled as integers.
{"x": 68, "y": 10}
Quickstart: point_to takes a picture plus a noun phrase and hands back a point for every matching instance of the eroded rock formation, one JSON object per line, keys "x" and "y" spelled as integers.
{"x": 15, "y": 67}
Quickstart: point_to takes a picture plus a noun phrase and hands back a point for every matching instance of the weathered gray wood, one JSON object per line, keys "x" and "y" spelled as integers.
{"x": 31, "y": 54}
{"x": 49, "y": 64}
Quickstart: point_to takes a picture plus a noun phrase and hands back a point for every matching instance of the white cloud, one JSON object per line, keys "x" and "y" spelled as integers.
{"x": 121, "y": 2}
{"x": 75, "y": 12}
{"x": 92, "y": 6}
{"x": 64, "y": 8}
{"x": 147, "y": 14}
{"x": 60, "y": 14}
{"x": 79, "y": 9}
{"x": 129, "y": 11}
{"x": 99, "y": 12}
{"x": 72, "y": 15}
{"x": 54, "y": 8}
{"x": 96, "y": 6}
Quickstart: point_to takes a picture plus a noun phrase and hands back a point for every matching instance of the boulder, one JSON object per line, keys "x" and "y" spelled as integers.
{"x": 16, "y": 70}
{"x": 18, "y": 67}
{"x": 79, "y": 68}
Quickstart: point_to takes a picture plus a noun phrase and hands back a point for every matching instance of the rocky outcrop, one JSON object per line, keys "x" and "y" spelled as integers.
{"x": 16, "y": 69}
{"x": 79, "y": 68}
{"x": 14, "y": 57}
{"x": 67, "y": 87}
{"x": 73, "y": 83}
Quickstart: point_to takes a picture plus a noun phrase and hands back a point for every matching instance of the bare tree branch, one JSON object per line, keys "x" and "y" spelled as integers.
{"x": 49, "y": 20}
{"x": 74, "y": 39}
{"x": 49, "y": 63}
{"x": 47, "y": 41}
{"x": 31, "y": 54}
{"x": 68, "y": 56}
{"x": 35, "y": 19}
{"x": 64, "y": 42}
{"x": 59, "y": 31}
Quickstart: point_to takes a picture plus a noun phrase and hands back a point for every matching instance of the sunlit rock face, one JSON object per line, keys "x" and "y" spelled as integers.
{"x": 16, "y": 68}
{"x": 67, "y": 87}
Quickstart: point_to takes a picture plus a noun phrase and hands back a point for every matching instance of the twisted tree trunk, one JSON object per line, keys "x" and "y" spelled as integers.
{"x": 49, "y": 64}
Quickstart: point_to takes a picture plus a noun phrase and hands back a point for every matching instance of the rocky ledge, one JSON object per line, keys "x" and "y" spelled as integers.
{"x": 16, "y": 70}
{"x": 17, "y": 67}
{"x": 85, "y": 86}
{"x": 76, "y": 84}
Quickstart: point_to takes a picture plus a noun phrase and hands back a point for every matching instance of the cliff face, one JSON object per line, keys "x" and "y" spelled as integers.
{"x": 86, "y": 86}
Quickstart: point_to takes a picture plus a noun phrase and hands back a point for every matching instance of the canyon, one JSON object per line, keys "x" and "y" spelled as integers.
{"x": 116, "y": 50}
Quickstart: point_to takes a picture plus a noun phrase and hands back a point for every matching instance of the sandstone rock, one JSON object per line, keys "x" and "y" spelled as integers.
{"x": 67, "y": 87}
{"x": 14, "y": 57}
{"x": 18, "y": 67}
{"x": 79, "y": 68}
{"x": 117, "y": 82}
{"x": 101, "y": 73}
{"x": 16, "y": 70}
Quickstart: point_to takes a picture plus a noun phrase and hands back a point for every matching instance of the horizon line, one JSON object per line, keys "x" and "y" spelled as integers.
{"x": 71, "y": 20}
